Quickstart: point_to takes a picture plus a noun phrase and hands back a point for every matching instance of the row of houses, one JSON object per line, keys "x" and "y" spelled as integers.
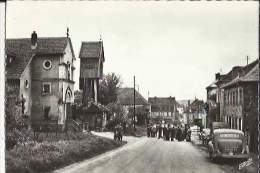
{"x": 233, "y": 98}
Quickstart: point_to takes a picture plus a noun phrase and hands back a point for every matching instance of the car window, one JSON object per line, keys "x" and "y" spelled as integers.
{"x": 229, "y": 135}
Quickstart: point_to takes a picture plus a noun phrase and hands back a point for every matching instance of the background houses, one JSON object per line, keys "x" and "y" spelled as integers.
{"x": 42, "y": 71}
{"x": 126, "y": 99}
{"x": 163, "y": 109}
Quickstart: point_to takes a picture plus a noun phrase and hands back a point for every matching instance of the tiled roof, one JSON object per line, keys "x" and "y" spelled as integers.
{"x": 251, "y": 76}
{"x": 238, "y": 71}
{"x": 212, "y": 85}
{"x": 126, "y": 97}
{"x": 162, "y": 100}
{"x": 91, "y": 49}
{"x": 249, "y": 73}
{"x": 22, "y": 52}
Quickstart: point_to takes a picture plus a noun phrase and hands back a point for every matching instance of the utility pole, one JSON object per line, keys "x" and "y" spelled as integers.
{"x": 247, "y": 58}
{"x": 134, "y": 102}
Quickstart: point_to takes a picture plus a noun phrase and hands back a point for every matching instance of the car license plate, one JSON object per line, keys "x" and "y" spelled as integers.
{"x": 230, "y": 153}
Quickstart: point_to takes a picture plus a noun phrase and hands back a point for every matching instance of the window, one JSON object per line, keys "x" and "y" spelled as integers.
{"x": 46, "y": 111}
{"x": 47, "y": 64}
{"x": 240, "y": 96}
{"x": 26, "y": 84}
{"x": 46, "y": 88}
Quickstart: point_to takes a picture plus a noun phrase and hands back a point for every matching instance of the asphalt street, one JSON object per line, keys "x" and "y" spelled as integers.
{"x": 148, "y": 155}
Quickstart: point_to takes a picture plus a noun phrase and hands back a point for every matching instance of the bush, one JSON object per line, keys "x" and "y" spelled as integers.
{"x": 49, "y": 155}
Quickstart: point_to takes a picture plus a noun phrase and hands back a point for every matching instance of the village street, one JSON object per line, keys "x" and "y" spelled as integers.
{"x": 149, "y": 155}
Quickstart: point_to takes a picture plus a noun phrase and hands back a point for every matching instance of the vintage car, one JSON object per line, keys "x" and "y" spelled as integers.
{"x": 227, "y": 143}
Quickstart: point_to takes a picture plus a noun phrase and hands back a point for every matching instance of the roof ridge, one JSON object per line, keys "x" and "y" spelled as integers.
{"x": 28, "y": 38}
{"x": 91, "y": 41}
{"x": 251, "y": 71}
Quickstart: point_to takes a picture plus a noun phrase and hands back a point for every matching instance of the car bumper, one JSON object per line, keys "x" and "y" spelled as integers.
{"x": 234, "y": 156}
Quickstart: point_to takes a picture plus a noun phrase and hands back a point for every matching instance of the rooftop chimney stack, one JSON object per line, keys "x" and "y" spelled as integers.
{"x": 33, "y": 40}
{"x": 217, "y": 76}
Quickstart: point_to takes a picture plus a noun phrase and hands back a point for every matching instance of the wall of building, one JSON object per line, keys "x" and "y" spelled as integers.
{"x": 89, "y": 68}
{"x": 39, "y": 76}
{"x": 250, "y": 113}
{"x": 233, "y": 107}
{"x": 63, "y": 71}
{"x": 38, "y": 72}
{"x": 26, "y": 90}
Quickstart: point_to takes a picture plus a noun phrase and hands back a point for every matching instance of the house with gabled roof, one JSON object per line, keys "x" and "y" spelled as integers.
{"x": 164, "y": 109}
{"x": 40, "y": 71}
{"x": 241, "y": 101}
{"x": 125, "y": 97}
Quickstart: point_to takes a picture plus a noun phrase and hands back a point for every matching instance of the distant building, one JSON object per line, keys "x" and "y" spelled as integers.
{"x": 126, "y": 99}
{"x": 42, "y": 70}
{"x": 163, "y": 109}
{"x": 212, "y": 106}
{"x": 197, "y": 112}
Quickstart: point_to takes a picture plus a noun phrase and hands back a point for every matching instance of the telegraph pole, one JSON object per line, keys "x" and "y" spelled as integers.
{"x": 247, "y": 58}
{"x": 134, "y": 102}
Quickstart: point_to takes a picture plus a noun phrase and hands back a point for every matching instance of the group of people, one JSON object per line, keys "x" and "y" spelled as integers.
{"x": 169, "y": 132}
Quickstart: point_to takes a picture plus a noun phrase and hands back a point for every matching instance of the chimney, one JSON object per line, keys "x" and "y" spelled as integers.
{"x": 33, "y": 40}
{"x": 217, "y": 76}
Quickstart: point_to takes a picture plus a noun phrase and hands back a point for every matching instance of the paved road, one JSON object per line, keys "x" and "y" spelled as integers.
{"x": 148, "y": 155}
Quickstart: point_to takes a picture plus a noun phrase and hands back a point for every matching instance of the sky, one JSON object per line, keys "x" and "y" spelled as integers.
{"x": 173, "y": 48}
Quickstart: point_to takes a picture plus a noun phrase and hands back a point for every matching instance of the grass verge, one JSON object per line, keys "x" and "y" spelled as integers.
{"x": 49, "y": 154}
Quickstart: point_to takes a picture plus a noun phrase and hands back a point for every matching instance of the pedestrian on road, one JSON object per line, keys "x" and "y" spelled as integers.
{"x": 164, "y": 131}
{"x": 167, "y": 133}
{"x": 172, "y": 133}
{"x": 160, "y": 131}
{"x": 148, "y": 130}
{"x": 179, "y": 134}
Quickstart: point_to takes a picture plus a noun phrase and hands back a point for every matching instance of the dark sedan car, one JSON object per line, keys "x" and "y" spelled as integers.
{"x": 227, "y": 143}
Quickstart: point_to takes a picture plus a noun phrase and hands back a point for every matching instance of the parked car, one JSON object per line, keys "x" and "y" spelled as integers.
{"x": 205, "y": 135}
{"x": 227, "y": 143}
{"x": 219, "y": 125}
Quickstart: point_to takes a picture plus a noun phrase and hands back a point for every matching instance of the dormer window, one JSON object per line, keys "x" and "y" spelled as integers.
{"x": 47, "y": 64}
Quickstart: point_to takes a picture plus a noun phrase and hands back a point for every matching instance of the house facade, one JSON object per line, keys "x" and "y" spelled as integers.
{"x": 43, "y": 68}
{"x": 163, "y": 109}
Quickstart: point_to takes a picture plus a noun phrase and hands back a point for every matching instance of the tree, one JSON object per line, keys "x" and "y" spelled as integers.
{"x": 108, "y": 88}
{"x": 119, "y": 115}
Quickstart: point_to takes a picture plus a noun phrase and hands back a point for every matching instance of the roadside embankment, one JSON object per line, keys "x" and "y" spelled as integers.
{"x": 52, "y": 153}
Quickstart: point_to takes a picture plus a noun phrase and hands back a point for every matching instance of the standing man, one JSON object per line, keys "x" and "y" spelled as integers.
{"x": 172, "y": 132}
{"x": 164, "y": 131}
{"x": 160, "y": 131}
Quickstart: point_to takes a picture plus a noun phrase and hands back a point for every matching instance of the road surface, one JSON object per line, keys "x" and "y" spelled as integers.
{"x": 148, "y": 155}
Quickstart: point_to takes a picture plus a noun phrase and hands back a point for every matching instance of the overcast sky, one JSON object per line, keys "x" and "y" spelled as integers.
{"x": 173, "y": 48}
